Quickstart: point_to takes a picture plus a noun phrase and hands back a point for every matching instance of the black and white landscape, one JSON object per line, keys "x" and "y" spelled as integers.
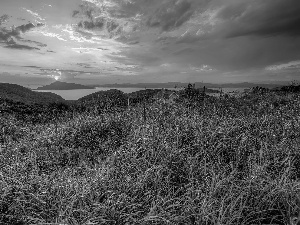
{"x": 129, "y": 112}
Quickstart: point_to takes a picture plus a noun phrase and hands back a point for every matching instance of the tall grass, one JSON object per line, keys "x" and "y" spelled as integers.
{"x": 227, "y": 161}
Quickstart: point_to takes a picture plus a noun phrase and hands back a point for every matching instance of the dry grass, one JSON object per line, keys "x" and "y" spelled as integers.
{"x": 228, "y": 161}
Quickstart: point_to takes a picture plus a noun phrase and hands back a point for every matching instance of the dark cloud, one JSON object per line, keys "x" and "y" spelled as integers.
{"x": 33, "y": 42}
{"x": 89, "y": 13}
{"x": 6, "y": 34}
{"x": 40, "y": 24}
{"x": 8, "y": 39}
{"x": 90, "y": 18}
{"x": 167, "y": 14}
{"x": 24, "y": 28}
{"x": 87, "y": 10}
{"x": 120, "y": 20}
{"x": 90, "y": 25}
{"x": 75, "y": 12}
{"x": 111, "y": 26}
{"x": 103, "y": 49}
{"x": 18, "y": 46}
{"x": 260, "y": 18}
{"x": 240, "y": 53}
{"x": 11, "y": 37}
{"x": 171, "y": 14}
{"x": 36, "y": 67}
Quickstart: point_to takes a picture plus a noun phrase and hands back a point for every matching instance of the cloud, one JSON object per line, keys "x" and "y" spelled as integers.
{"x": 35, "y": 15}
{"x": 35, "y": 67}
{"x": 196, "y": 37}
{"x": 203, "y": 68}
{"x": 40, "y": 24}
{"x": 12, "y": 37}
{"x": 75, "y": 12}
{"x": 259, "y": 18}
{"x": 24, "y": 28}
{"x": 50, "y": 34}
{"x": 293, "y": 65}
{"x": 127, "y": 20}
{"x": 3, "y": 18}
{"x": 5, "y": 33}
{"x": 90, "y": 25}
{"x": 227, "y": 35}
{"x": 18, "y": 46}
{"x": 39, "y": 44}
{"x": 93, "y": 18}
{"x": 171, "y": 14}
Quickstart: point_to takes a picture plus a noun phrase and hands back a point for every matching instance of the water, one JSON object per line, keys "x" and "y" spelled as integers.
{"x": 79, "y": 93}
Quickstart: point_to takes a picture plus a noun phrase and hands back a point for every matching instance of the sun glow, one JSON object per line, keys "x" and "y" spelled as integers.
{"x": 56, "y": 77}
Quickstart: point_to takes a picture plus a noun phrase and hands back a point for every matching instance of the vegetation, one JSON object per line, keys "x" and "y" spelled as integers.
{"x": 104, "y": 100}
{"x": 224, "y": 161}
{"x": 18, "y": 93}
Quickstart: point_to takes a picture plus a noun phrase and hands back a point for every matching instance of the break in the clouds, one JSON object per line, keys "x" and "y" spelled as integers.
{"x": 96, "y": 41}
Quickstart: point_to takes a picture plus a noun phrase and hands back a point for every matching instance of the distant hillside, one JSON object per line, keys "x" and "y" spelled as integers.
{"x": 19, "y": 93}
{"x": 104, "y": 99}
{"x": 116, "y": 97}
{"x": 180, "y": 85}
{"x": 146, "y": 94}
{"x": 58, "y": 85}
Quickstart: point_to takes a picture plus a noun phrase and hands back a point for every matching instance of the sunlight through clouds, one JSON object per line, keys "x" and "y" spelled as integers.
{"x": 161, "y": 39}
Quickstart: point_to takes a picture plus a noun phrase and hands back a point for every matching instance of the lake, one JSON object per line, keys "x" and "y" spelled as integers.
{"x": 79, "y": 93}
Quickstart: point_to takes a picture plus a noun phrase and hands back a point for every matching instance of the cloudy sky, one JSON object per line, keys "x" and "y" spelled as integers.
{"x": 119, "y": 41}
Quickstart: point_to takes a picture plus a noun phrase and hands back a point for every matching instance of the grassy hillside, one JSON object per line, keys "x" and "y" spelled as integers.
{"x": 30, "y": 106}
{"x": 104, "y": 99}
{"x": 19, "y": 93}
{"x": 225, "y": 161}
{"x": 115, "y": 98}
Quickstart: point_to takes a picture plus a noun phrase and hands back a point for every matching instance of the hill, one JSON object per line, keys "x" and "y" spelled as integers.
{"x": 104, "y": 99}
{"x": 179, "y": 84}
{"x": 58, "y": 85}
{"x": 19, "y": 93}
{"x": 229, "y": 161}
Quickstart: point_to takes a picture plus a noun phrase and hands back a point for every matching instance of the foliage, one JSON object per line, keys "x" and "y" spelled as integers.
{"x": 146, "y": 96}
{"x": 104, "y": 99}
{"x": 18, "y": 93}
{"x": 226, "y": 161}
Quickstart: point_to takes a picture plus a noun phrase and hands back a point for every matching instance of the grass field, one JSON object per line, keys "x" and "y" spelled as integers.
{"x": 224, "y": 161}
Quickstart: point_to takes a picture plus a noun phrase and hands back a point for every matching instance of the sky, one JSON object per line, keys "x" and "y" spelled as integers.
{"x": 149, "y": 41}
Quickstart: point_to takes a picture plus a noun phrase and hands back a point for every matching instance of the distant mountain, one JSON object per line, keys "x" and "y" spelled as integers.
{"x": 242, "y": 85}
{"x": 58, "y": 85}
{"x": 180, "y": 85}
{"x": 19, "y": 93}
